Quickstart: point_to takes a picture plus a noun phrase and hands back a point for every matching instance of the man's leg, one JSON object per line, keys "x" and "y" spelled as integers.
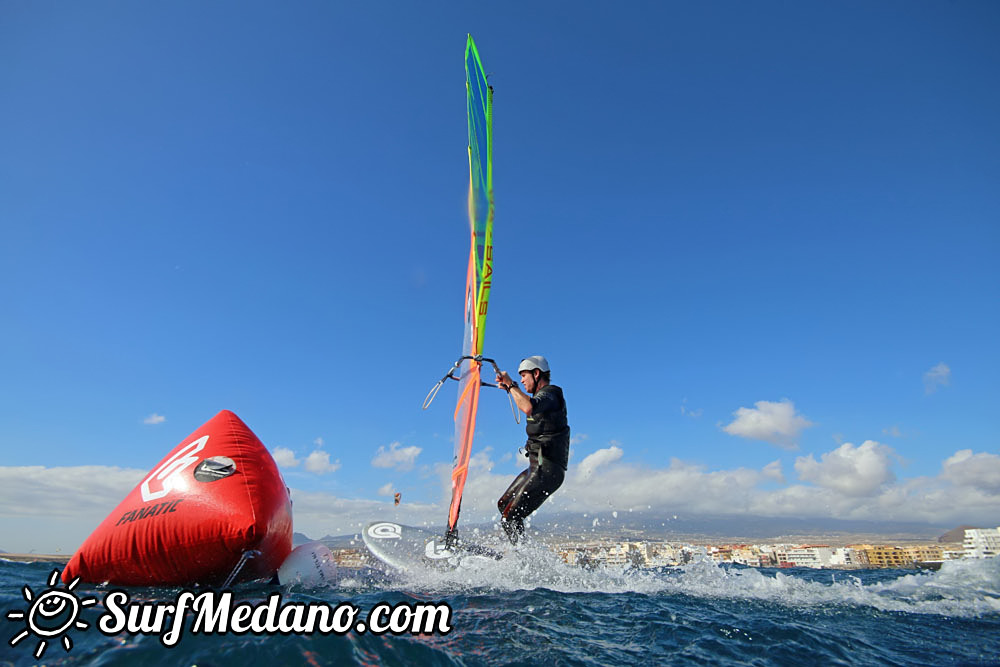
{"x": 513, "y": 526}
{"x": 531, "y": 488}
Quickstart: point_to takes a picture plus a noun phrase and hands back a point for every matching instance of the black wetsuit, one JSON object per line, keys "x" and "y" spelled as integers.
{"x": 548, "y": 455}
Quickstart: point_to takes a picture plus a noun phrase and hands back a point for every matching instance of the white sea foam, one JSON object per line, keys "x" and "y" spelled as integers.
{"x": 968, "y": 588}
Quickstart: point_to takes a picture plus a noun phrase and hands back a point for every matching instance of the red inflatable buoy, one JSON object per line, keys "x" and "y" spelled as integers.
{"x": 217, "y": 499}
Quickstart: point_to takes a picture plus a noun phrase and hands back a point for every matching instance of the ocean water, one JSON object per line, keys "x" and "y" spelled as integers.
{"x": 531, "y": 609}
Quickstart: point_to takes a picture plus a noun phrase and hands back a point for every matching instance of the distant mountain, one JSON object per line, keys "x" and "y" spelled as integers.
{"x": 956, "y": 535}
{"x": 331, "y": 541}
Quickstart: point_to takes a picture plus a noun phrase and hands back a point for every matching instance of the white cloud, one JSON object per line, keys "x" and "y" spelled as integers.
{"x": 979, "y": 471}
{"x": 893, "y": 431}
{"x": 56, "y": 508}
{"x": 318, "y": 442}
{"x": 852, "y": 471}
{"x": 603, "y": 480}
{"x": 771, "y": 422}
{"x": 482, "y": 487}
{"x": 593, "y": 462}
{"x": 398, "y": 457}
{"x": 284, "y": 457}
{"x": 386, "y": 490}
{"x": 319, "y": 462}
{"x": 154, "y": 419}
{"x": 50, "y": 509}
{"x": 868, "y": 489}
{"x": 938, "y": 376}
{"x": 41, "y": 491}
{"x": 773, "y": 471}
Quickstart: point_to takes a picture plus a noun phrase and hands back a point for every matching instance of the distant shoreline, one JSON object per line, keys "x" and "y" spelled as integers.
{"x": 35, "y": 558}
{"x": 841, "y": 540}
{"x": 831, "y": 539}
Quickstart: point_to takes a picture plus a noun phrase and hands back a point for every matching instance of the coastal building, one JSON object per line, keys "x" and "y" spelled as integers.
{"x": 721, "y": 554}
{"x": 844, "y": 557}
{"x": 885, "y": 556}
{"x": 663, "y": 555}
{"x": 860, "y": 553}
{"x": 768, "y": 554}
{"x": 351, "y": 558}
{"x": 981, "y": 542}
{"x": 616, "y": 554}
{"x": 750, "y": 556}
{"x": 954, "y": 552}
{"x": 569, "y": 555}
{"x": 636, "y": 553}
{"x": 932, "y": 553}
{"x": 583, "y": 555}
{"x": 815, "y": 555}
{"x": 592, "y": 554}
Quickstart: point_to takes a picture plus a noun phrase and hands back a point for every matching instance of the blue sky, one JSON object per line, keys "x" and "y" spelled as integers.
{"x": 756, "y": 241}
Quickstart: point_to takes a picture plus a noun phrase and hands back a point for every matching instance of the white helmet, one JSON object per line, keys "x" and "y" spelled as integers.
{"x": 531, "y": 363}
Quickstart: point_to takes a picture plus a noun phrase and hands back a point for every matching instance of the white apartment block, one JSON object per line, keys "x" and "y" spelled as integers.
{"x": 810, "y": 556}
{"x": 842, "y": 556}
{"x": 981, "y": 542}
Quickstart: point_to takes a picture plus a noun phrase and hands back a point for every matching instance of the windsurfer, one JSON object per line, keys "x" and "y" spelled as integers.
{"x": 547, "y": 448}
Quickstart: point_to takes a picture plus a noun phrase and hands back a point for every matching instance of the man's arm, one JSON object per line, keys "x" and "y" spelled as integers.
{"x": 522, "y": 400}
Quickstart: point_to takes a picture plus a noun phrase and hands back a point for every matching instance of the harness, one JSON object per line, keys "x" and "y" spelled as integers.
{"x": 548, "y": 431}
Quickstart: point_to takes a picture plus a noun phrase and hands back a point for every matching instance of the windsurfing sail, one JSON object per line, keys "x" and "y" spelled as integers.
{"x": 479, "y": 99}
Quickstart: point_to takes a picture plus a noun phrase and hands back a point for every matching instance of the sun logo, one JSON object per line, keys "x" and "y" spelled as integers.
{"x": 51, "y": 614}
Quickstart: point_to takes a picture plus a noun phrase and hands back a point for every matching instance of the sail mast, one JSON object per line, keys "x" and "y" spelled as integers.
{"x": 479, "y": 279}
